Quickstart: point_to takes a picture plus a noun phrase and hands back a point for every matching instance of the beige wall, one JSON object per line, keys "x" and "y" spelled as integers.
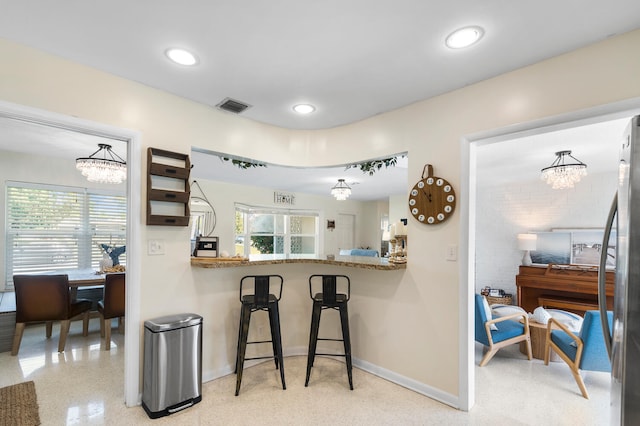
{"x": 406, "y": 322}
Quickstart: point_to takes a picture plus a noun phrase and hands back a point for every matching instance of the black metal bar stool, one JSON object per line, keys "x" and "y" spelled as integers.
{"x": 329, "y": 299}
{"x": 260, "y": 300}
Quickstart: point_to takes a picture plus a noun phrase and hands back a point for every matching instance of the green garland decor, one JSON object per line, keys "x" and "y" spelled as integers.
{"x": 369, "y": 167}
{"x": 243, "y": 164}
{"x": 373, "y": 166}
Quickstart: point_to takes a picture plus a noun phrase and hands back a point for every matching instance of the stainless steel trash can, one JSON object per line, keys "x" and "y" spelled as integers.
{"x": 172, "y": 372}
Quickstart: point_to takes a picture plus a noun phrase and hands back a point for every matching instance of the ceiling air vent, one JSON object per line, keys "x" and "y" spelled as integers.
{"x": 232, "y": 105}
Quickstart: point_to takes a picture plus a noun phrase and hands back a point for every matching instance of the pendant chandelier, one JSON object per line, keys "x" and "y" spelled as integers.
{"x": 341, "y": 191}
{"x": 565, "y": 171}
{"x": 108, "y": 169}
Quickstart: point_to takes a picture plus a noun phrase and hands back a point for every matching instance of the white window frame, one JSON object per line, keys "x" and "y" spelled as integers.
{"x": 89, "y": 227}
{"x": 286, "y": 235}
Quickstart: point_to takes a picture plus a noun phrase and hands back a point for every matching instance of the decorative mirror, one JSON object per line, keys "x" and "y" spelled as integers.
{"x": 203, "y": 216}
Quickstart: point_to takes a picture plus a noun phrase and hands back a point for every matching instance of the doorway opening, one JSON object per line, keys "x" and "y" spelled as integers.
{"x": 482, "y": 168}
{"x": 53, "y": 123}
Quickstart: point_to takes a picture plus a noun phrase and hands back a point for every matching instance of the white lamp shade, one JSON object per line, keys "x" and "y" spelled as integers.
{"x": 386, "y": 236}
{"x": 527, "y": 241}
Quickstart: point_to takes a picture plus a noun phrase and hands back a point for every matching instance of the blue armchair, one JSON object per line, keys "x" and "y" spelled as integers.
{"x": 585, "y": 351}
{"x": 507, "y": 330}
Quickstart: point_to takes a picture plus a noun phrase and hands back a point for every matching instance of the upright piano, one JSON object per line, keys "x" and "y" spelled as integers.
{"x": 571, "y": 288}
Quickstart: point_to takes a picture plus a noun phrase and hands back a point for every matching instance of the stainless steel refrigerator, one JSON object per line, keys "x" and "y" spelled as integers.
{"x": 624, "y": 344}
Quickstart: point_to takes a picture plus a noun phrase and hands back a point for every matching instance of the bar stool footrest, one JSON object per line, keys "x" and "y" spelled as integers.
{"x": 261, "y": 357}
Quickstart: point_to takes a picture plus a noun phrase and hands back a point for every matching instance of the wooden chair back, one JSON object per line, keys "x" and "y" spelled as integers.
{"x": 41, "y": 297}
{"x": 114, "y": 295}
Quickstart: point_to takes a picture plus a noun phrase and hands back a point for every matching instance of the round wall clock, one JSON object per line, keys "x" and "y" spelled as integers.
{"x": 432, "y": 200}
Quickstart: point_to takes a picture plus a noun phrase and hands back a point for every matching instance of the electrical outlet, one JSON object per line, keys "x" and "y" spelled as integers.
{"x": 155, "y": 247}
{"x": 452, "y": 252}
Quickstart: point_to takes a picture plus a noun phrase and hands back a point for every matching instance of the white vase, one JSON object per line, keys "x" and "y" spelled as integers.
{"x": 106, "y": 262}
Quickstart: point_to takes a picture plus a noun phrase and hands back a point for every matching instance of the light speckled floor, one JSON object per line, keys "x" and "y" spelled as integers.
{"x": 84, "y": 386}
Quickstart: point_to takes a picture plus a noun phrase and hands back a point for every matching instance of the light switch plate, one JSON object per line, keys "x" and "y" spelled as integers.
{"x": 452, "y": 252}
{"x": 155, "y": 247}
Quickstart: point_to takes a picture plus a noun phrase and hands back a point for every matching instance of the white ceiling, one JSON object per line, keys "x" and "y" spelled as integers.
{"x": 521, "y": 159}
{"x": 316, "y": 181}
{"x": 352, "y": 59}
{"x": 27, "y": 137}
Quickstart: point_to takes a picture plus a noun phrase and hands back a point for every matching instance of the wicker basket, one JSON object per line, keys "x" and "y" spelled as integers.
{"x": 506, "y": 300}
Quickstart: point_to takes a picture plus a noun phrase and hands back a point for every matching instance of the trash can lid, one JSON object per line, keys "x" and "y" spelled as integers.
{"x": 172, "y": 322}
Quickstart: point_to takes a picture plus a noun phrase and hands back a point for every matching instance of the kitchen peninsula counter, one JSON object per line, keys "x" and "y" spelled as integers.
{"x": 363, "y": 262}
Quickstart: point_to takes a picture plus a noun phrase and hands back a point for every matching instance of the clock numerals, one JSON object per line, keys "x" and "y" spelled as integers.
{"x": 432, "y": 200}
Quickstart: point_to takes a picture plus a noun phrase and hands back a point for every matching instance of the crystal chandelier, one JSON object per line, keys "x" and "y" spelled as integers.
{"x": 563, "y": 173}
{"x": 108, "y": 169}
{"x": 341, "y": 191}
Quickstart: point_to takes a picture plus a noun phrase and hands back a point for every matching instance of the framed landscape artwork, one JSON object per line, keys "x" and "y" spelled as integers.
{"x": 552, "y": 247}
{"x": 573, "y": 246}
{"x": 586, "y": 246}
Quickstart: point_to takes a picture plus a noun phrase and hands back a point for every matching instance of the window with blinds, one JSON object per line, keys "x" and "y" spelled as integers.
{"x": 52, "y": 228}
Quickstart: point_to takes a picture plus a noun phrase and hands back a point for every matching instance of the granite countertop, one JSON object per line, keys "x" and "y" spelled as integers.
{"x": 364, "y": 262}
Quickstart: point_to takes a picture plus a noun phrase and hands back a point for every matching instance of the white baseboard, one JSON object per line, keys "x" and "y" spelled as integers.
{"x": 406, "y": 382}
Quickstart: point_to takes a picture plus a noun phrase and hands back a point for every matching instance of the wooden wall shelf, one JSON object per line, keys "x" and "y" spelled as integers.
{"x": 168, "y": 190}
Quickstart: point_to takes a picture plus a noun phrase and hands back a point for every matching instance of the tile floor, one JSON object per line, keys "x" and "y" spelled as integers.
{"x": 84, "y": 386}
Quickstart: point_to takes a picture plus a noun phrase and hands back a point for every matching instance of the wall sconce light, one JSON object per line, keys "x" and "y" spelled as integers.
{"x": 527, "y": 242}
{"x": 331, "y": 225}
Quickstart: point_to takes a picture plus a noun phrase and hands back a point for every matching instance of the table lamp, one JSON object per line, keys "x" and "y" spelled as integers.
{"x": 527, "y": 242}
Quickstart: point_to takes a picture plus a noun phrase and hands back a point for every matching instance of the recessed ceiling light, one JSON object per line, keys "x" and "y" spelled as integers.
{"x": 304, "y": 108}
{"x": 181, "y": 56}
{"x": 464, "y": 37}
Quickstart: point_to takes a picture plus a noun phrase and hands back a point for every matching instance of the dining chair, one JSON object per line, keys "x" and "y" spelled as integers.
{"x": 46, "y": 298}
{"x": 112, "y": 306}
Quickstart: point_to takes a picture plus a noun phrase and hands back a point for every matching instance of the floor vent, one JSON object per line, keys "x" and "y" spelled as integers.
{"x": 232, "y": 105}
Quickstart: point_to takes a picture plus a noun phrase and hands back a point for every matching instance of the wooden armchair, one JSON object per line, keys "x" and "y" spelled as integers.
{"x": 585, "y": 351}
{"x": 507, "y": 330}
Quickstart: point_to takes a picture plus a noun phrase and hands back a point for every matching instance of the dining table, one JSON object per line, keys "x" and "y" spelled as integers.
{"x": 84, "y": 277}
{"x": 89, "y": 281}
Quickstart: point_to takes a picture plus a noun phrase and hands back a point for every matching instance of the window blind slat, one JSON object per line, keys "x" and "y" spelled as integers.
{"x": 51, "y": 228}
